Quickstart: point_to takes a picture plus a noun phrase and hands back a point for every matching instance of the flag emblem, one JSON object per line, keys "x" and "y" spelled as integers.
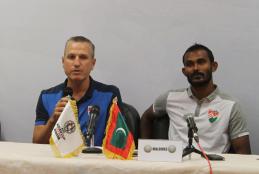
{"x": 118, "y": 142}
{"x": 69, "y": 127}
{"x": 213, "y": 115}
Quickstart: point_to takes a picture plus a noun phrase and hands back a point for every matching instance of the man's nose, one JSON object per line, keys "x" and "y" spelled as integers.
{"x": 195, "y": 67}
{"x": 77, "y": 61}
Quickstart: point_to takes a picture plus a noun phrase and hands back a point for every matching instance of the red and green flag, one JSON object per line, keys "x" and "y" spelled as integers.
{"x": 118, "y": 142}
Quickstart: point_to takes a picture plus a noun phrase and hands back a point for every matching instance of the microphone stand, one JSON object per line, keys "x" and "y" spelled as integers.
{"x": 190, "y": 148}
{"x": 89, "y": 136}
{"x": 90, "y": 148}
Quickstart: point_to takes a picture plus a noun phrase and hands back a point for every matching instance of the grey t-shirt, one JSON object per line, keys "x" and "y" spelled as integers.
{"x": 219, "y": 117}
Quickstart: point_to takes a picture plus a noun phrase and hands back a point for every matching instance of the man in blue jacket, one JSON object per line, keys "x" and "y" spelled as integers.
{"x": 78, "y": 62}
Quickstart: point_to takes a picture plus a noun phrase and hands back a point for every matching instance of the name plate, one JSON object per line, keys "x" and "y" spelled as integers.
{"x": 160, "y": 150}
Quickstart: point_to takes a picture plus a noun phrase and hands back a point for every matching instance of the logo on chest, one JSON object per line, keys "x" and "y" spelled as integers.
{"x": 213, "y": 115}
{"x": 89, "y": 109}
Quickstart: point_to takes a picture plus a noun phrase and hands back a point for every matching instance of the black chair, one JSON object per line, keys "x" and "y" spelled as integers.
{"x": 132, "y": 119}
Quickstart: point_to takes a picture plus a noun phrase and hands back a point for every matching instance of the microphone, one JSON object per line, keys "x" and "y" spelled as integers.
{"x": 192, "y": 125}
{"x": 68, "y": 92}
{"x": 93, "y": 116}
{"x": 89, "y": 136}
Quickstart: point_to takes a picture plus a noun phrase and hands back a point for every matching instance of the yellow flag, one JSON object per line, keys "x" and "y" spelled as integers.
{"x": 66, "y": 138}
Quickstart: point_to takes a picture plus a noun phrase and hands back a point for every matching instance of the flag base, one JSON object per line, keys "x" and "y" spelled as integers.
{"x": 92, "y": 150}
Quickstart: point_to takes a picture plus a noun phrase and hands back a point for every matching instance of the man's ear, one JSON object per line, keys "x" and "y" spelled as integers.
{"x": 183, "y": 71}
{"x": 214, "y": 66}
{"x": 63, "y": 61}
{"x": 94, "y": 61}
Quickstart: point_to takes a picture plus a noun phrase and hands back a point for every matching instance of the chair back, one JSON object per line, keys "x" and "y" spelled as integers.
{"x": 160, "y": 127}
{"x": 132, "y": 119}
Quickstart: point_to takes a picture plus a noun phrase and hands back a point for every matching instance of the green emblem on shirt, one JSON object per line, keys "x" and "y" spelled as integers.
{"x": 213, "y": 115}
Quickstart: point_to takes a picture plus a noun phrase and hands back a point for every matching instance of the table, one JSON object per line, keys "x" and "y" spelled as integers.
{"x": 21, "y": 158}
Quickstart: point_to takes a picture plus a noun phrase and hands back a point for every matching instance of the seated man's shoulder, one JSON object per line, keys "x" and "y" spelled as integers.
{"x": 54, "y": 89}
{"x": 177, "y": 92}
{"x": 226, "y": 96}
{"x": 105, "y": 87}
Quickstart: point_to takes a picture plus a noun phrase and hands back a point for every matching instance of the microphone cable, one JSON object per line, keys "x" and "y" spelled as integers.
{"x": 204, "y": 154}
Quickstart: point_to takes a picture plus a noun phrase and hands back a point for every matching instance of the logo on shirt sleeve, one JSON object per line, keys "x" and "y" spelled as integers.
{"x": 213, "y": 115}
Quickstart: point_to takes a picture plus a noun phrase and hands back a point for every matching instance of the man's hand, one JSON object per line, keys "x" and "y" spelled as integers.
{"x": 59, "y": 109}
{"x": 42, "y": 133}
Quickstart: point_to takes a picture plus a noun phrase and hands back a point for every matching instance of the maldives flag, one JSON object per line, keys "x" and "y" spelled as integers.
{"x": 118, "y": 142}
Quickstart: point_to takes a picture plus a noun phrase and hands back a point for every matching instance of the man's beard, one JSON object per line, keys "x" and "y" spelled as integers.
{"x": 205, "y": 82}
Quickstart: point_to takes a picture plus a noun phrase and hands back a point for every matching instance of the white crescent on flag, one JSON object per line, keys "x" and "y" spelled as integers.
{"x": 122, "y": 130}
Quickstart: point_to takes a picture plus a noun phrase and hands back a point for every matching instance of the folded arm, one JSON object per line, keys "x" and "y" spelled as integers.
{"x": 146, "y": 123}
{"x": 241, "y": 145}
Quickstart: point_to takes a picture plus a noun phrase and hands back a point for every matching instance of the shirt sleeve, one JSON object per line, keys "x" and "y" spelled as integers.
{"x": 237, "y": 123}
{"x": 159, "y": 106}
{"x": 41, "y": 113}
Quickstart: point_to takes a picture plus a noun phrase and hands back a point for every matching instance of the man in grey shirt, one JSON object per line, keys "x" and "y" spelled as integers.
{"x": 218, "y": 116}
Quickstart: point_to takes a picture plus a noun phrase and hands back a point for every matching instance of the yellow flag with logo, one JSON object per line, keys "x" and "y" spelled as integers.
{"x": 66, "y": 137}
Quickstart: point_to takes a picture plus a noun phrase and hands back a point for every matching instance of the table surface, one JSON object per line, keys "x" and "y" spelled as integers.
{"x": 38, "y": 158}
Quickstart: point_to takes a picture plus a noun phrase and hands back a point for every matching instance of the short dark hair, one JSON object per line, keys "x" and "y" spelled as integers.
{"x": 81, "y": 39}
{"x": 196, "y": 47}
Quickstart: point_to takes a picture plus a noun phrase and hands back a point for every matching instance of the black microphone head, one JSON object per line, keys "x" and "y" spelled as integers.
{"x": 191, "y": 122}
{"x": 188, "y": 116}
{"x": 93, "y": 117}
{"x": 95, "y": 110}
{"x": 68, "y": 91}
